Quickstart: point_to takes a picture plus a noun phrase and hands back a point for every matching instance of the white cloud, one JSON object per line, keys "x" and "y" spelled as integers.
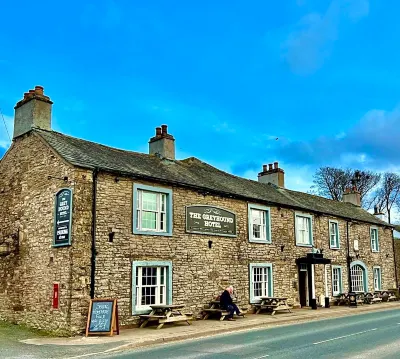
{"x": 224, "y": 127}
{"x": 311, "y": 40}
{"x": 4, "y": 135}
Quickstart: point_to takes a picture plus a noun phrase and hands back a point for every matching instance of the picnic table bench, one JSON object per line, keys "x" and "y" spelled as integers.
{"x": 214, "y": 307}
{"x": 272, "y": 304}
{"x": 343, "y": 298}
{"x": 162, "y": 314}
{"x": 386, "y": 295}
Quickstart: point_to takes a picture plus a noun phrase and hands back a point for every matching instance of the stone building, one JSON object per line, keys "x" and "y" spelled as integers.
{"x": 81, "y": 220}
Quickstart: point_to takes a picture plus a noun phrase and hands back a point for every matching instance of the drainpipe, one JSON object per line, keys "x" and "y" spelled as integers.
{"x": 394, "y": 259}
{"x": 93, "y": 257}
{"x": 348, "y": 257}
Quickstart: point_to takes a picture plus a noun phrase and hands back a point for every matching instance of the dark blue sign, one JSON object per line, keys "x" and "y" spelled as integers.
{"x": 101, "y": 316}
{"x": 63, "y": 218}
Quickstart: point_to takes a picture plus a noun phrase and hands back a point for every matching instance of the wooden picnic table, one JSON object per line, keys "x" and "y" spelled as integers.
{"x": 214, "y": 307}
{"x": 168, "y": 313}
{"x": 272, "y": 303}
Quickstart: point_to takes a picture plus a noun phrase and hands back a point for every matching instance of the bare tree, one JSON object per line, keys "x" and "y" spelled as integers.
{"x": 331, "y": 182}
{"x": 388, "y": 194}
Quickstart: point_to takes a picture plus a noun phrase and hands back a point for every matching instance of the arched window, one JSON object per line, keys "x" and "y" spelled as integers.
{"x": 359, "y": 277}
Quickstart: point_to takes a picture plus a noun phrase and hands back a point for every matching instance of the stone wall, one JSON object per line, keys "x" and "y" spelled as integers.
{"x": 27, "y": 200}
{"x": 200, "y": 273}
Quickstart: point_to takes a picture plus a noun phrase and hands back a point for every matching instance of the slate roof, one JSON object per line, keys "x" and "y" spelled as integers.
{"x": 194, "y": 173}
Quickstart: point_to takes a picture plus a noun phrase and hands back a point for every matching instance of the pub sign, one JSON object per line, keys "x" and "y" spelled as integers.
{"x": 63, "y": 218}
{"x": 210, "y": 220}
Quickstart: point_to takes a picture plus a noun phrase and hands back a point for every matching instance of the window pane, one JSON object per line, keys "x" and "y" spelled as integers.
{"x": 151, "y": 288}
{"x": 357, "y": 278}
{"x": 149, "y": 201}
{"x": 149, "y": 220}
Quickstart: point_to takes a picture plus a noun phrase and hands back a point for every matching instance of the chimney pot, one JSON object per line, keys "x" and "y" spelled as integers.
{"x": 158, "y": 131}
{"x": 39, "y": 90}
{"x": 265, "y": 168}
{"x": 275, "y": 165}
{"x": 164, "y": 129}
{"x": 270, "y": 166}
{"x": 31, "y": 91}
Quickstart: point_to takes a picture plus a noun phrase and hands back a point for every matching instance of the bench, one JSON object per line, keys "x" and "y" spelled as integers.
{"x": 214, "y": 307}
{"x": 223, "y": 313}
{"x": 165, "y": 314}
{"x": 273, "y": 304}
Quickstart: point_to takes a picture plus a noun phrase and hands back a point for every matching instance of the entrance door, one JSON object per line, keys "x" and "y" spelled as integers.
{"x": 303, "y": 285}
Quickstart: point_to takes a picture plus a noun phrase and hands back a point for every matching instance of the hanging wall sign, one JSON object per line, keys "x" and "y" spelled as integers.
{"x": 210, "y": 220}
{"x": 63, "y": 218}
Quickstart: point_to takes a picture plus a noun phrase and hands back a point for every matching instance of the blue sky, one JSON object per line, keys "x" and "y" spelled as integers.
{"x": 227, "y": 77}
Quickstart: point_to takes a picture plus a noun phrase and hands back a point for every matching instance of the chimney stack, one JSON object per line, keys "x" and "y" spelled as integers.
{"x": 34, "y": 110}
{"x": 352, "y": 195}
{"x": 162, "y": 143}
{"x": 378, "y": 214}
{"x": 271, "y": 173}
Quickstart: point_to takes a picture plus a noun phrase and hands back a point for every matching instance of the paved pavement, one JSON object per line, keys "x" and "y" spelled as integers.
{"x": 81, "y": 347}
{"x": 371, "y": 335}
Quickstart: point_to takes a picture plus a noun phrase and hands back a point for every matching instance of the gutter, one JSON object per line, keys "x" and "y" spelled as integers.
{"x": 93, "y": 256}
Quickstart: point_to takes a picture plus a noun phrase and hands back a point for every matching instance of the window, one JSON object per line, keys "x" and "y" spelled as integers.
{"x": 303, "y": 226}
{"x": 337, "y": 280}
{"x": 374, "y": 240}
{"x": 261, "y": 282}
{"x": 377, "y": 278}
{"x": 359, "y": 277}
{"x": 152, "y": 210}
{"x": 259, "y": 224}
{"x": 334, "y": 234}
{"x": 152, "y": 284}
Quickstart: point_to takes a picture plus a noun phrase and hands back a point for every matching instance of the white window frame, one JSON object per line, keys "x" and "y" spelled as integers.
{"x": 336, "y": 235}
{"x": 337, "y": 280}
{"x": 299, "y": 228}
{"x": 374, "y": 234}
{"x": 160, "y": 213}
{"x": 377, "y": 279}
{"x": 265, "y": 231}
{"x": 137, "y": 284}
{"x": 163, "y": 213}
{"x": 267, "y": 284}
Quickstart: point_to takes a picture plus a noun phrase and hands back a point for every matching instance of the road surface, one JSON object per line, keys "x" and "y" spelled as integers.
{"x": 372, "y": 335}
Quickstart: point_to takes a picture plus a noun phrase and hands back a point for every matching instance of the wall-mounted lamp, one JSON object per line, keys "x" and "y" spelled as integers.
{"x": 65, "y": 178}
{"x": 357, "y": 256}
{"x": 210, "y": 244}
{"x": 111, "y": 237}
{"x": 282, "y": 247}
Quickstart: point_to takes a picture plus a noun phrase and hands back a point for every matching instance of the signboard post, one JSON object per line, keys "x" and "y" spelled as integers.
{"x": 102, "y": 317}
{"x": 63, "y": 218}
{"x": 210, "y": 220}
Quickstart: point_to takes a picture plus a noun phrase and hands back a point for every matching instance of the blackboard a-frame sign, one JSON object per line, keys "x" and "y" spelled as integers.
{"x": 102, "y": 317}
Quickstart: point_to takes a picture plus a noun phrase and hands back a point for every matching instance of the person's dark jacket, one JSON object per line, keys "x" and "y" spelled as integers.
{"x": 225, "y": 299}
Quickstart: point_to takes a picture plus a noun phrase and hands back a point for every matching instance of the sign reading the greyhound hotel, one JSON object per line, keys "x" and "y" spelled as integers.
{"x": 210, "y": 220}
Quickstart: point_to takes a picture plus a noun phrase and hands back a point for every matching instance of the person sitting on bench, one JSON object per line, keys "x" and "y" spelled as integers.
{"x": 227, "y": 303}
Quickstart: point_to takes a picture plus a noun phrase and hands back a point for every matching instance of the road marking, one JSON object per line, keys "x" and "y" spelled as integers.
{"x": 345, "y": 336}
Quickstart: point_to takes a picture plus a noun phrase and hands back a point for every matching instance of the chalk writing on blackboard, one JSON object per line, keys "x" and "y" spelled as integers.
{"x": 100, "y": 320}
{"x": 103, "y": 317}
